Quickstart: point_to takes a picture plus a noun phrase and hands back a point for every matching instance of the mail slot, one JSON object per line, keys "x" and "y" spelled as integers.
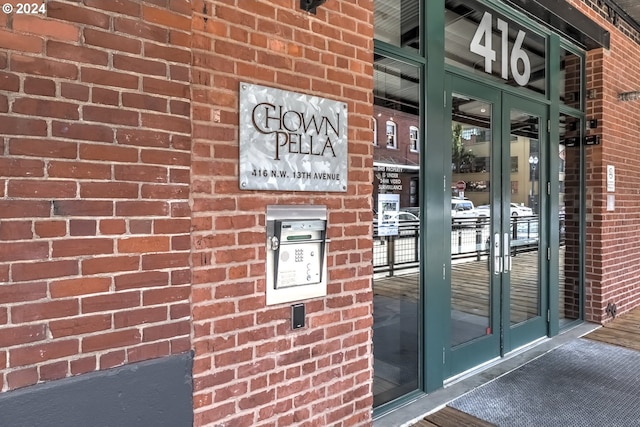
{"x": 296, "y": 252}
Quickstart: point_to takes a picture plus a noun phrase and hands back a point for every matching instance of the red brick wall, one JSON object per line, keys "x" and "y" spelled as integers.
{"x": 612, "y": 251}
{"x": 250, "y": 368}
{"x": 95, "y": 141}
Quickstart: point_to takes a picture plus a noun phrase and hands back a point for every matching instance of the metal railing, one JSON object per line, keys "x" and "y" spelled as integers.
{"x": 397, "y": 252}
{"x": 470, "y": 238}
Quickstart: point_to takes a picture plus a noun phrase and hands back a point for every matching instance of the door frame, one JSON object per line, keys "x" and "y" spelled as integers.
{"x": 481, "y": 349}
{"x": 537, "y": 327}
{"x": 503, "y": 338}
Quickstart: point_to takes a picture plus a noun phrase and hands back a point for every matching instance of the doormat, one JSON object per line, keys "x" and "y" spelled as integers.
{"x": 582, "y": 383}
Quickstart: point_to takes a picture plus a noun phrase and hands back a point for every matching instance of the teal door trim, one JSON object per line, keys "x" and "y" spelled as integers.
{"x": 515, "y": 336}
{"x": 435, "y": 160}
{"x": 503, "y": 337}
{"x": 482, "y": 348}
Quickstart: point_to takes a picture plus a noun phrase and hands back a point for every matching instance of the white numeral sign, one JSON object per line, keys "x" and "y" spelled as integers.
{"x": 517, "y": 53}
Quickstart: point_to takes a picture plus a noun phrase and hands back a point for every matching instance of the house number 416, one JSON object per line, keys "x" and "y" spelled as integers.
{"x": 517, "y": 54}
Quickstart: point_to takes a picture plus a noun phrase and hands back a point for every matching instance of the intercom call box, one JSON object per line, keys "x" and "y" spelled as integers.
{"x": 300, "y": 247}
{"x": 296, "y": 252}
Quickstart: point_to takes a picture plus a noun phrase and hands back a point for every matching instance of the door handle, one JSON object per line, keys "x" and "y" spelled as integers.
{"x": 506, "y": 252}
{"x": 497, "y": 258}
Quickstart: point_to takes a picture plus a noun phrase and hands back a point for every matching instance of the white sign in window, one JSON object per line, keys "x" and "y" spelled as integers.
{"x": 388, "y": 218}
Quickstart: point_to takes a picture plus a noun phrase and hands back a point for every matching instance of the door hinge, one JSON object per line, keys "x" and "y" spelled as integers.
{"x": 548, "y": 254}
{"x": 443, "y": 355}
{"x": 444, "y": 271}
{"x": 548, "y": 315}
{"x": 548, "y": 125}
{"x": 549, "y": 188}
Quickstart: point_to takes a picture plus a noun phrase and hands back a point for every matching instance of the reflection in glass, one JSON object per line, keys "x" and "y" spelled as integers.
{"x": 396, "y": 231}
{"x": 470, "y": 166}
{"x": 414, "y": 138}
{"x": 375, "y": 131}
{"x": 392, "y": 134}
{"x": 570, "y": 80}
{"x": 524, "y": 224}
{"x": 568, "y": 217}
{"x": 397, "y": 22}
{"x": 506, "y": 49}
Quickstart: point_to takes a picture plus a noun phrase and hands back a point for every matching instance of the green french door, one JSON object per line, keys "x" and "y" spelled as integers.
{"x": 498, "y": 298}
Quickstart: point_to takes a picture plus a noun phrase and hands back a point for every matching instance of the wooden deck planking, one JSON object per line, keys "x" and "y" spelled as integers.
{"x": 451, "y": 417}
{"x": 470, "y": 293}
{"x": 470, "y": 287}
{"x": 424, "y": 423}
{"x": 623, "y": 331}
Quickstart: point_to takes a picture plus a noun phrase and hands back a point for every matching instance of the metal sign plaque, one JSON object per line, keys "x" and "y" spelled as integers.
{"x": 291, "y": 141}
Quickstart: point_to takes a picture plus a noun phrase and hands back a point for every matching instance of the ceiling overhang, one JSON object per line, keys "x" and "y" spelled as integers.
{"x": 567, "y": 20}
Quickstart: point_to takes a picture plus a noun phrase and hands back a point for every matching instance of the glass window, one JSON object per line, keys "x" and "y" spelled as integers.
{"x": 481, "y": 164}
{"x": 397, "y": 22}
{"x": 470, "y": 178}
{"x": 396, "y": 231}
{"x": 392, "y": 134}
{"x": 570, "y": 79}
{"x": 569, "y": 174}
{"x": 414, "y": 138}
{"x": 514, "y": 164}
{"x": 487, "y": 43}
{"x": 375, "y": 131}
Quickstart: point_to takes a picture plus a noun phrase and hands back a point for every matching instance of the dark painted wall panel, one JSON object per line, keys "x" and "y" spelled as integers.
{"x": 152, "y": 393}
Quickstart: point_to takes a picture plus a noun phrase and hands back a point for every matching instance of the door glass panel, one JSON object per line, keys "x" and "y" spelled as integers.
{"x": 568, "y": 217}
{"x": 524, "y": 209}
{"x": 470, "y": 215}
{"x": 496, "y": 287}
{"x": 396, "y": 231}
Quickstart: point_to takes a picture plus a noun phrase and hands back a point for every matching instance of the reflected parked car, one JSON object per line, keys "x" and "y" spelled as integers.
{"x": 392, "y": 217}
{"x": 484, "y": 210}
{"x": 400, "y": 216}
{"x": 464, "y": 214}
{"x": 406, "y": 224}
{"x": 520, "y": 210}
{"x": 463, "y": 208}
{"x": 516, "y": 210}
